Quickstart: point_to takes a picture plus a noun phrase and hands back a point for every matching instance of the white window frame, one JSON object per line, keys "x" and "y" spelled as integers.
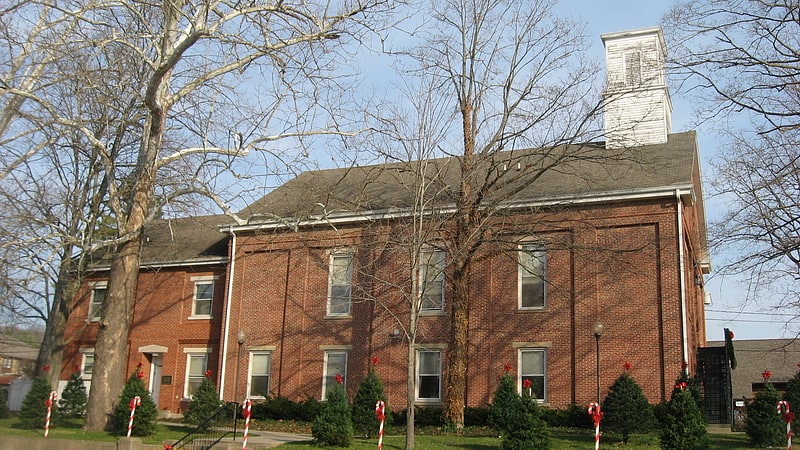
{"x": 203, "y": 281}
{"x": 194, "y": 353}
{"x": 431, "y": 259}
{"x": 521, "y": 374}
{"x": 86, "y": 354}
{"x": 329, "y": 377}
{"x": 333, "y": 283}
{"x": 418, "y": 375}
{"x": 250, "y": 373}
{"x": 96, "y": 306}
{"x": 537, "y": 251}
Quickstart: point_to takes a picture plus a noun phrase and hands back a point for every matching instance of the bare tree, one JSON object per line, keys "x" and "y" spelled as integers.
{"x": 741, "y": 59}
{"x": 517, "y": 76}
{"x": 195, "y": 61}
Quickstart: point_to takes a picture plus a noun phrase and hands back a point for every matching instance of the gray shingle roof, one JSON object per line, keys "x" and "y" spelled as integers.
{"x": 188, "y": 240}
{"x": 588, "y": 170}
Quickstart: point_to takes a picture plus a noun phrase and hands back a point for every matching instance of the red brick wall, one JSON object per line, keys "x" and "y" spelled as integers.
{"x": 618, "y": 264}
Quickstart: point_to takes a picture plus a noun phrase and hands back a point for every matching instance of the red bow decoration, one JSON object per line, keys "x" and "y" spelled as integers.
{"x": 766, "y": 375}
{"x": 140, "y": 375}
{"x": 339, "y": 379}
{"x": 526, "y": 384}
{"x": 167, "y": 447}
{"x": 507, "y": 367}
{"x": 46, "y": 368}
{"x": 48, "y": 402}
{"x": 245, "y": 413}
{"x": 375, "y": 361}
{"x": 682, "y": 385}
{"x": 208, "y": 373}
{"x": 627, "y": 366}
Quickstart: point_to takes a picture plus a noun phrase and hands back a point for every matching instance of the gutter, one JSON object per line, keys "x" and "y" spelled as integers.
{"x": 682, "y": 278}
{"x": 226, "y": 329}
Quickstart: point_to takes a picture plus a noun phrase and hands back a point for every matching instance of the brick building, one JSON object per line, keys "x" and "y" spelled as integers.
{"x": 318, "y": 279}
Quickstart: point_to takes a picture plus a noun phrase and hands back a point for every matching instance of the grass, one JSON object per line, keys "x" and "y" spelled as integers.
{"x": 427, "y": 438}
{"x": 72, "y": 429}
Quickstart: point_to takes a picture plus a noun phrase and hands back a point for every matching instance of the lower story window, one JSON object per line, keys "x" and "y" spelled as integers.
{"x": 532, "y": 372}
{"x": 429, "y": 375}
{"x": 87, "y": 365}
{"x": 196, "y": 364}
{"x": 335, "y": 371}
{"x": 260, "y": 366}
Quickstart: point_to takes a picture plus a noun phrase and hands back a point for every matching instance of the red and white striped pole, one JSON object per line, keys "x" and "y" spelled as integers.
{"x": 246, "y": 414}
{"x": 135, "y": 401}
{"x": 788, "y": 417}
{"x": 380, "y": 414}
{"x": 49, "y": 404}
{"x": 594, "y": 410}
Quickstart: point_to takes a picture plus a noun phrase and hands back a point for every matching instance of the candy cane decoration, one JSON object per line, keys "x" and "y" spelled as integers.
{"x": 246, "y": 414}
{"x": 594, "y": 410}
{"x": 788, "y": 417}
{"x": 135, "y": 401}
{"x": 49, "y": 404}
{"x": 380, "y": 414}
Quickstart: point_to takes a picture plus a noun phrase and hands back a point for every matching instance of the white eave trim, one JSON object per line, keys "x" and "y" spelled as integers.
{"x": 686, "y": 192}
{"x": 160, "y": 265}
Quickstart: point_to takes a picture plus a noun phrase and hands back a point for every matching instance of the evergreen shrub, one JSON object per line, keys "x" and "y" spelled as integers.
{"x": 146, "y": 413}
{"x": 333, "y": 425}
{"x": 626, "y": 410}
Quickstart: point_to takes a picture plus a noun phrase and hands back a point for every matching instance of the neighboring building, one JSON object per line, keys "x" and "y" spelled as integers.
{"x": 781, "y": 357}
{"x": 316, "y": 282}
{"x": 16, "y": 358}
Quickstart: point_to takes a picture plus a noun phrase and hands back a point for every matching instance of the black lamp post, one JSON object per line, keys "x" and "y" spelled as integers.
{"x": 240, "y": 339}
{"x": 597, "y": 329}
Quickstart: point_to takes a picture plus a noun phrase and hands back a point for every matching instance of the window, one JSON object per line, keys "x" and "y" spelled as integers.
{"x": 633, "y": 68}
{"x": 532, "y": 368}
{"x": 532, "y": 271}
{"x": 431, "y": 275}
{"x": 335, "y": 366}
{"x": 429, "y": 376}
{"x": 96, "y": 303}
{"x": 203, "y": 295}
{"x": 87, "y": 364}
{"x": 195, "y": 372}
{"x": 339, "y": 284}
{"x": 7, "y": 363}
{"x": 260, "y": 365}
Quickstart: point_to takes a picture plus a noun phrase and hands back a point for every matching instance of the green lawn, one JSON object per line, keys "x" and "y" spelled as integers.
{"x": 562, "y": 439}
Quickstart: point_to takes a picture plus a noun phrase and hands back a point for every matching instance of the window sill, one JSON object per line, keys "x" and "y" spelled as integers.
{"x": 431, "y": 402}
{"x": 438, "y": 312}
{"x": 199, "y": 318}
{"x": 338, "y": 317}
{"x": 531, "y": 310}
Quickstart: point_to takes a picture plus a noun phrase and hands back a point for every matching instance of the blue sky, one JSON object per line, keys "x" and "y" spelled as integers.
{"x": 729, "y": 309}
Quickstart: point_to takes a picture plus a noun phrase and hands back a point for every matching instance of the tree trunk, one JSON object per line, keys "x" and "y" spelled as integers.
{"x": 410, "y": 396}
{"x": 108, "y": 377}
{"x": 457, "y": 353}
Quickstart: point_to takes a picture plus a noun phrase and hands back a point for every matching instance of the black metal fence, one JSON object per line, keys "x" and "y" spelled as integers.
{"x": 215, "y": 428}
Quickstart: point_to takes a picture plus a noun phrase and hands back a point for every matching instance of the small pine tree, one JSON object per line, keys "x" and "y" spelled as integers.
{"x": 765, "y": 427}
{"x": 73, "y": 398}
{"x": 146, "y": 414}
{"x": 33, "y": 412}
{"x": 517, "y": 418}
{"x": 682, "y": 424}
{"x": 205, "y": 402}
{"x": 792, "y": 395}
{"x": 365, "y": 423}
{"x": 333, "y": 425}
{"x": 626, "y": 408}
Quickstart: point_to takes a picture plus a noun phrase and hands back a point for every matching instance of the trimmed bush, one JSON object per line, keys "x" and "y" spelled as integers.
{"x": 517, "y": 418}
{"x": 765, "y": 428}
{"x": 205, "y": 402}
{"x": 365, "y": 423}
{"x": 33, "y": 412}
{"x": 145, "y": 421}
{"x": 626, "y": 408}
{"x": 73, "y": 398}
{"x": 333, "y": 425}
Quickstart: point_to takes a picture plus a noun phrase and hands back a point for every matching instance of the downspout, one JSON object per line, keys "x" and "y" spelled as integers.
{"x": 682, "y": 278}
{"x": 229, "y": 295}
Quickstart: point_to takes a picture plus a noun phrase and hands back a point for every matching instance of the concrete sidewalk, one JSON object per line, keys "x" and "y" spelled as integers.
{"x": 261, "y": 439}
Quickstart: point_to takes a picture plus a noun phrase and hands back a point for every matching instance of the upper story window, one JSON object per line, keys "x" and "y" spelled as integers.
{"x": 97, "y": 301}
{"x": 431, "y": 275}
{"x": 340, "y": 281}
{"x": 335, "y": 371}
{"x": 202, "y": 299}
{"x": 532, "y": 275}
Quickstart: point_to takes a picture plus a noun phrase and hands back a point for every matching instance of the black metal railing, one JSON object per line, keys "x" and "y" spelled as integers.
{"x": 215, "y": 428}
